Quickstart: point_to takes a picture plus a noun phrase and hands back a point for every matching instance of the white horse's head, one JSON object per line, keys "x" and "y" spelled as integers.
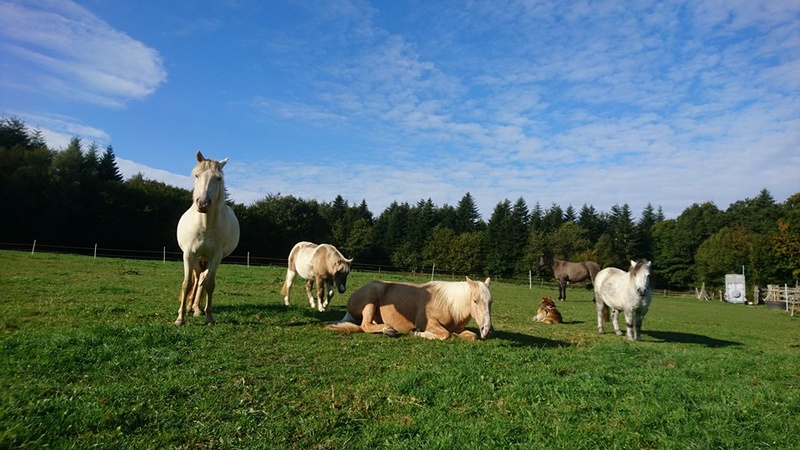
{"x": 209, "y": 188}
{"x": 481, "y": 305}
{"x": 341, "y": 273}
{"x": 640, "y": 275}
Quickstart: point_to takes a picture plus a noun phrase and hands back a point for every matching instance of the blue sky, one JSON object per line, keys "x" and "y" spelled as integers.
{"x": 569, "y": 103}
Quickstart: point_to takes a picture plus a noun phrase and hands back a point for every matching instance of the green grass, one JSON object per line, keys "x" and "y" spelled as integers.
{"x": 89, "y": 358}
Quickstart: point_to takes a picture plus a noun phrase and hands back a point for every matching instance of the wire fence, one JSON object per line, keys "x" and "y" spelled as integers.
{"x": 248, "y": 259}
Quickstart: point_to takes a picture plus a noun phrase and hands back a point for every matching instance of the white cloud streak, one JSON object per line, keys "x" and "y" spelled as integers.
{"x": 73, "y": 54}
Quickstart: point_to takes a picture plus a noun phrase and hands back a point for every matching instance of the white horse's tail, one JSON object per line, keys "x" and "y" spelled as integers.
{"x": 283, "y": 288}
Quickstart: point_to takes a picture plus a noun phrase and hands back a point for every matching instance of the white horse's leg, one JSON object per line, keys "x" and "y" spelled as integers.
{"x": 600, "y": 306}
{"x": 638, "y": 325}
{"x": 309, "y": 284}
{"x": 287, "y": 285}
{"x": 630, "y": 319}
{"x": 198, "y": 292}
{"x": 329, "y": 292}
{"x": 209, "y": 283}
{"x": 321, "y": 302}
{"x": 615, "y": 321}
{"x": 185, "y": 288}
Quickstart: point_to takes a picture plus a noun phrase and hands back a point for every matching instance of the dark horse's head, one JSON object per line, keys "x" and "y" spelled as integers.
{"x": 544, "y": 261}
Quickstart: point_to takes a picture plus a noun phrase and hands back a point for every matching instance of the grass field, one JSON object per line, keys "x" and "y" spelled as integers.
{"x": 90, "y": 358}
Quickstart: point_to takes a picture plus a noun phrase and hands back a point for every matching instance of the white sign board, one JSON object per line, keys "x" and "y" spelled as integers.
{"x": 734, "y": 288}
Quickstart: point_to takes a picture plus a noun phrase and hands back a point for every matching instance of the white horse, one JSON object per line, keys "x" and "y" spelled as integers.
{"x": 624, "y": 291}
{"x": 207, "y": 232}
{"x": 322, "y": 264}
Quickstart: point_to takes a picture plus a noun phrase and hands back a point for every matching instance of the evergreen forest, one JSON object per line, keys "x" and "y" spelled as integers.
{"x": 49, "y": 194}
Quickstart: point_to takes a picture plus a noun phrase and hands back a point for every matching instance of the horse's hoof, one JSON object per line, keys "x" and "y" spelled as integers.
{"x": 619, "y": 333}
{"x": 391, "y": 332}
{"x": 197, "y": 314}
{"x": 178, "y": 323}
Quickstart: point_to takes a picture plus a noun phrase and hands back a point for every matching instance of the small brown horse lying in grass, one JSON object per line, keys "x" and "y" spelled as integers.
{"x": 434, "y": 310}
{"x": 548, "y": 313}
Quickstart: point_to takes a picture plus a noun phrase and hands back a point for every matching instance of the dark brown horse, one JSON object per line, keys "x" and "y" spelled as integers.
{"x": 565, "y": 271}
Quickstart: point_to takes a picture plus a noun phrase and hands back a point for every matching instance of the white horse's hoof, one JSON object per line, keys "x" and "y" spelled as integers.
{"x": 178, "y": 323}
{"x": 619, "y": 333}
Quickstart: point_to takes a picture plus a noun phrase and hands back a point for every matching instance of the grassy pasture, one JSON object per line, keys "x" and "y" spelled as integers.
{"x": 89, "y": 358}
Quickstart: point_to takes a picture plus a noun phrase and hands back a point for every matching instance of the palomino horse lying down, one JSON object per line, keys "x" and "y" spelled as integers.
{"x": 321, "y": 264}
{"x": 434, "y": 310}
{"x": 624, "y": 291}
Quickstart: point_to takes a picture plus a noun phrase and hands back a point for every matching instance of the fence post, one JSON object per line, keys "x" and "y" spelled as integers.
{"x": 164, "y": 257}
{"x": 530, "y": 279}
{"x": 95, "y": 251}
{"x": 433, "y": 269}
{"x": 34, "y": 247}
{"x": 248, "y": 260}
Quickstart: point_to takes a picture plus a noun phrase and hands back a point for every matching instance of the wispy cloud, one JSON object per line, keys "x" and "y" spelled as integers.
{"x": 73, "y": 54}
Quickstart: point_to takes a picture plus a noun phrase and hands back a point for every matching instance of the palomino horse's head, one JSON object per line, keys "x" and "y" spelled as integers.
{"x": 640, "y": 275}
{"x": 480, "y": 305}
{"x": 341, "y": 273}
{"x": 209, "y": 188}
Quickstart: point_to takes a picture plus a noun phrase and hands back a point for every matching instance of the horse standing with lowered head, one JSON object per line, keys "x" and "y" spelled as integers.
{"x": 566, "y": 271}
{"x": 434, "y": 310}
{"x": 207, "y": 232}
{"x": 322, "y": 264}
{"x": 629, "y": 292}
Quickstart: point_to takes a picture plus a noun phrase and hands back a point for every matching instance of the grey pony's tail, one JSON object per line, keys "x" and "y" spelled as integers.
{"x": 606, "y": 313}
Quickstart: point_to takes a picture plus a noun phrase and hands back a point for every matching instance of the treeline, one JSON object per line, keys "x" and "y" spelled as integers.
{"x": 76, "y": 196}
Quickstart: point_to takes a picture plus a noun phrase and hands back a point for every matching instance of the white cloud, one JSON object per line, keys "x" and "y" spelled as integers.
{"x": 67, "y": 51}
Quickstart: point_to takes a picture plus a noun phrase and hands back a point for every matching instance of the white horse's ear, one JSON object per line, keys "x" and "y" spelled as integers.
{"x": 200, "y": 157}
{"x": 222, "y": 163}
{"x": 488, "y": 281}
{"x": 468, "y": 279}
{"x": 633, "y": 263}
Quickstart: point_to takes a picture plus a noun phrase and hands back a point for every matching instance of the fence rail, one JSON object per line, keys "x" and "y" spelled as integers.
{"x": 790, "y": 296}
{"x": 252, "y": 260}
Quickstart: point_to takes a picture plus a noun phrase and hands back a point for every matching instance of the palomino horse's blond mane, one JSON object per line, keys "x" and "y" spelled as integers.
{"x": 451, "y": 297}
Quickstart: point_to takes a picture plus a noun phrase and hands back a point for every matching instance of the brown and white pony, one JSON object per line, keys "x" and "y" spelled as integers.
{"x": 548, "y": 313}
{"x": 322, "y": 264}
{"x": 566, "y": 271}
{"x": 207, "y": 232}
{"x": 434, "y": 310}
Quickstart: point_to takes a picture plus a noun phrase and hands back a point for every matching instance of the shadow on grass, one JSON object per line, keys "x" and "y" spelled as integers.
{"x": 689, "y": 338}
{"x": 289, "y": 315}
{"x": 526, "y": 340}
